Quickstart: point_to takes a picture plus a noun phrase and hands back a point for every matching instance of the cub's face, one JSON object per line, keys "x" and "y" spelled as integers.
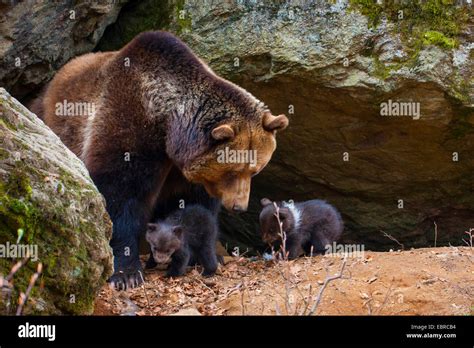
{"x": 164, "y": 240}
{"x": 241, "y": 151}
{"x": 269, "y": 227}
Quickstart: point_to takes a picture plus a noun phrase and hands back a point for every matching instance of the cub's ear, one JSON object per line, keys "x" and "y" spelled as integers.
{"x": 223, "y": 132}
{"x": 284, "y": 213}
{"x": 265, "y": 201}
{"x": 178, "y": 231}
{"x": 273, "y": 123}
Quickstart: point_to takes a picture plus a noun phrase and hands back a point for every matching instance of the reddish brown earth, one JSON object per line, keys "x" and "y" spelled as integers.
{"x": 433, "y": 281}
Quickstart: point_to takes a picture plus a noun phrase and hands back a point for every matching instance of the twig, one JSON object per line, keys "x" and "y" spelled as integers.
{"x": 231, "y": 290}
{"x": 242, "y": 303}
{"x": 144, "y": 289}
{"x": 282, "y": 255}
{"x": 281, "y": 233}
{"x": 436, "y": 233}
{"x": 470, "y": 233}
{"x": 16, "y": 268}
{"x": 369, "y": 307}
{"x": 326, "y": 282}
{"x": 386, "y": 296}
{"x": 306, "y": 302}
{"x": 392, "y": 238}
{"x": 24, "y": 296}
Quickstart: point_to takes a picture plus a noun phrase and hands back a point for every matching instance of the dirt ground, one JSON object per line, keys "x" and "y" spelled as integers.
{"x": 432, "y": 281}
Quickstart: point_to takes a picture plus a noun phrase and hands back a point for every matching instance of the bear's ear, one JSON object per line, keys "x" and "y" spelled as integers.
{"x": 273, "y": 123}
{"x": 178, "y": 231}
{"x": 265, "y": 201}
{"x": 223, "y": 132}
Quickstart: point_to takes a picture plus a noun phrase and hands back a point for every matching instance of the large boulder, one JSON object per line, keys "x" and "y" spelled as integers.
{"x": 48, "y": 202}
{"x": 329, "y": 67}
{"x": 39, "y": 37}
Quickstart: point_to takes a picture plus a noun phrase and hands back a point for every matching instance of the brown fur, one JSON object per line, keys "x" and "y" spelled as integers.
{"x": 172, "y": 114}
{"x": 87, "y": 78}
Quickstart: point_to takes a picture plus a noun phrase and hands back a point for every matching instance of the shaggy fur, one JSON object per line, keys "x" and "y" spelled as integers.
{"x": 309, "y": 226}
{"x": 163, "y": 109}
{"x": 186, "y": 234}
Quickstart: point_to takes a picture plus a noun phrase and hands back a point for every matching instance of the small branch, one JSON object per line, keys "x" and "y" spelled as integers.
{"x": 367, "y": 304}
{"x": 16, "y": 268}
{"x": 242, "y": 302}
{"x": 281, "y": 233}
{"x": 470, "y": 234}
{"x": 393, "y": 239}
{"x": 144, "y": 289}
{"x": 436, "y": 233}
{"x": 24, "y": 296}
{"x": 326, "y": 282}
{"x": 386, "y": 296}
{"x": 306, "y": 302}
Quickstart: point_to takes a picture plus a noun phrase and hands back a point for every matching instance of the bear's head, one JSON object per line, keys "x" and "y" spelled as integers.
{"x": 241, "y": 148}
{"x": 269, "y": 227}
{"x": 164, "y": 240}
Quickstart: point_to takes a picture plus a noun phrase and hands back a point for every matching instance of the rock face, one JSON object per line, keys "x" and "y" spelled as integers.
{"x": 37, "y": 38}
{"x": 48, "y": 201}
{"x": 330, "y": 67}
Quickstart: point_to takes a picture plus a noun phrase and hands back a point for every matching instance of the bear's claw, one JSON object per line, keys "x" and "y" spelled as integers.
{"x": 126, "y": 280}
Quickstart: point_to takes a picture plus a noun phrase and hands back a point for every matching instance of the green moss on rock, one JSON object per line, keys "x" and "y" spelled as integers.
{"x": 433, "y": 37}
{"x": 436, "y": 22}
{"x": 52, "y": 200}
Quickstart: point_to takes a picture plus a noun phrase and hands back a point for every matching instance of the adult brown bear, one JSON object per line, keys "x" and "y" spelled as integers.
{"x": 148, "y": 121}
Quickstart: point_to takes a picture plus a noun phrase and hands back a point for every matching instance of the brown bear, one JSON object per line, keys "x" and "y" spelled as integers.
{"x": 309, "y": 227}
{"x": 149, "y": 122}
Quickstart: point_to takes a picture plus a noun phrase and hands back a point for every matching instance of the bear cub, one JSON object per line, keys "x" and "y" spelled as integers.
{"x": 309, "y": 226}
{"x": 186, "y": 234}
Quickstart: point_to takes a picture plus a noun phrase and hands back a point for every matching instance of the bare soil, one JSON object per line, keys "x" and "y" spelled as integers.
{"x": 431, "y": 281}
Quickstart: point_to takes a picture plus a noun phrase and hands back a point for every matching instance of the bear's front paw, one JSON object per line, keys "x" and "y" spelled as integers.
{"x": 126, "y": 280}
{"x": 209, "y": 273}
{"x": 174, "y": 273}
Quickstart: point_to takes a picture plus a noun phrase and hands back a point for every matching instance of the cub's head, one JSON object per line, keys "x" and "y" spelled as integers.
{"x": 164, "y": 240}
{"x": 240, "y": 147}
{"x": 269, "y": 223}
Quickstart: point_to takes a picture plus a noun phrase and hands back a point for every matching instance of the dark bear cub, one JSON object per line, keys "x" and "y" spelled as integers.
{"x": 309, "y": 226}
{"x": 184, "y": 234}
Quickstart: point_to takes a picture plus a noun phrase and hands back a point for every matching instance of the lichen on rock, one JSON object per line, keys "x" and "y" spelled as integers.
{"x": 37, "y": 38}
{"x": 47, "y": 194}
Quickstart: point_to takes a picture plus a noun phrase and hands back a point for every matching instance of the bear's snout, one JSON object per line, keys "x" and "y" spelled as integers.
{"x": 236, "y": 201}
{"x": 234, "y": 204}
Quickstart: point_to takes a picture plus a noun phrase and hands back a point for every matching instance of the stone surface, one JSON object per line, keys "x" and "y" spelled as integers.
{"x": 39, "y": 37}
{"x": 334, "y": 64}
{"x": 48, "y": 200}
